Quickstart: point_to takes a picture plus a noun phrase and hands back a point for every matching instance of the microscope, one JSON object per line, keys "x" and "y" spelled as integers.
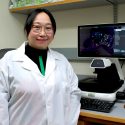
{"x": 107, "y": 83}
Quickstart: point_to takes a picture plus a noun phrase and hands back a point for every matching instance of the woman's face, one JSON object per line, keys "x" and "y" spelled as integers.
{"x": 41, "y": 33}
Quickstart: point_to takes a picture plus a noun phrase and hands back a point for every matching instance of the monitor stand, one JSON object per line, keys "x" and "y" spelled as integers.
{"x": 108, "y": 81}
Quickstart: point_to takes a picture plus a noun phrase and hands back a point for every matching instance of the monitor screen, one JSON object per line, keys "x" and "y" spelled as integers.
{"x": 102, "y": 40}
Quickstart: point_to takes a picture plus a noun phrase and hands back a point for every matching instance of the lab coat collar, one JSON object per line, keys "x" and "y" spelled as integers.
{"x": 21, "y": 53}
{"x": 25, "y": 62}
{"x": 30, "y": 65}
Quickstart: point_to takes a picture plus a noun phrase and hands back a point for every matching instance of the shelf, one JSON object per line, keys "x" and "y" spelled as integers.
{"x": 64, "y": 5}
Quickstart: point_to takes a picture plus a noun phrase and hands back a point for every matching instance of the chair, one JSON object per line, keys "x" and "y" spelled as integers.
{"x": 3, "y": 51}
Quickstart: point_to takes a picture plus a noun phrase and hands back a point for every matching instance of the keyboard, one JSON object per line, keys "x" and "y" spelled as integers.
{"x": 96, "y": 105}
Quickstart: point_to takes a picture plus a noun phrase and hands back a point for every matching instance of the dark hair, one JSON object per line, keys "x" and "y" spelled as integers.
{"x": 32, "y": 16}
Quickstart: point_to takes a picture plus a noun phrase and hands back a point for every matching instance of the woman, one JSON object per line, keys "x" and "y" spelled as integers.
{"x": 38, "y": 85}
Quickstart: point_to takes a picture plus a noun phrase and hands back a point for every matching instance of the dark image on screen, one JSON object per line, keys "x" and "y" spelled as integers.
{"x": 103, "y": 40}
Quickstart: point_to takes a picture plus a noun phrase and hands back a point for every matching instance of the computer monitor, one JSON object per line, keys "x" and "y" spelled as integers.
{"x": 101, "y": 40}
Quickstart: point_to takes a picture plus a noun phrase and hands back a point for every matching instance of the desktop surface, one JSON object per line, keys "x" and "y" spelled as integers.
{"x": 115, "y": 117}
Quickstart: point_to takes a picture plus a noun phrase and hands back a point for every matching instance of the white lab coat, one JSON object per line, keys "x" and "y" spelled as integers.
{"x": 28, "y": 98}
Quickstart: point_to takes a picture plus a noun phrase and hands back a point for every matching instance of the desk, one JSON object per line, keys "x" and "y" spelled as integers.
{"x": 115, "y": 117}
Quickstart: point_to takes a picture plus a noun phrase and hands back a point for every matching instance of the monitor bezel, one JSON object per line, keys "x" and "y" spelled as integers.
{"x": 96, "y": 25}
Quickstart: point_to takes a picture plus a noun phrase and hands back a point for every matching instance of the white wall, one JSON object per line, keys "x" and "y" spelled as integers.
{"x": 12, "y": 35}
{"x": 68, "y": 20}
{"x": 11, "y": 27}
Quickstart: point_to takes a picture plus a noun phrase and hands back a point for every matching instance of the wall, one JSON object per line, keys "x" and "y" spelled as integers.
{"x": 11, "y": 27}
{"x": 68, "y": 20}
{"x": 12, "y": 34}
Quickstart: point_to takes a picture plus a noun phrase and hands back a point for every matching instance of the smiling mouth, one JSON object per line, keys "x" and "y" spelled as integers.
{"x": 41, "y": 40}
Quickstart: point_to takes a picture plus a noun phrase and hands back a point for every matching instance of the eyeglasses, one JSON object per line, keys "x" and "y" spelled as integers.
{"x": 48, "y": 29}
